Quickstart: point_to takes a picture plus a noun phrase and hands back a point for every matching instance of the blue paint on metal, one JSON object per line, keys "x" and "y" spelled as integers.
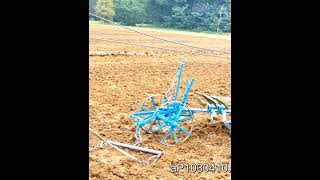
{"x": 183, "y": 130}
{"x": 175, "y": 136}
{"x": 167, "y": 134}
{"x": 170, "y": 114}
{"x": 185, "y": 96}
{"x": 179, "y": 79}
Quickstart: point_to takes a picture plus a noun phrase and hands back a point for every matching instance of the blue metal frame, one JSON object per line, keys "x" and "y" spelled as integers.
{"x": 169, "y": 113}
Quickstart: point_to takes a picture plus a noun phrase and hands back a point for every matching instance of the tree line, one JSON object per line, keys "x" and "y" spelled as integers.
{"x": 195, "y": 15}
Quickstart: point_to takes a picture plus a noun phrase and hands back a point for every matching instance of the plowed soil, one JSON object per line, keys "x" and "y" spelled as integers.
{"x": 118, "y": 83}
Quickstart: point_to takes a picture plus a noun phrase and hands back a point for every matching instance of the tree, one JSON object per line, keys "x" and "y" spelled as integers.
{"x": 227, "y": 18}
{"x": 159, "y": 12}
{"x": 105, "y": 8}
{"x": 195, "y": 15}
{"x": 129, "y": 12}
{"x": 92, "y": 8}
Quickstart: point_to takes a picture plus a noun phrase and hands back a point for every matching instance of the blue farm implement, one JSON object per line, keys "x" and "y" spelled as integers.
{"x": 169, "y": 120}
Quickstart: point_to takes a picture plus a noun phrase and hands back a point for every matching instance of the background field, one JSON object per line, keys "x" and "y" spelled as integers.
{"x": 119, "y": 82}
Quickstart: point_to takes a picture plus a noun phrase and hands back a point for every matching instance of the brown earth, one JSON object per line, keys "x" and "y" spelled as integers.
{"x": 118, "y": 83}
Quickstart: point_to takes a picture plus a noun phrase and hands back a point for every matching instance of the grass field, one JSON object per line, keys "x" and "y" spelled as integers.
{"x": 121, "y": 80}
